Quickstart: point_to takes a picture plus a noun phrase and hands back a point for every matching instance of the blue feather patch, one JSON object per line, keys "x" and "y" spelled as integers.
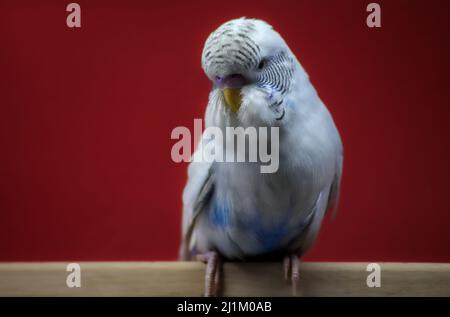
{"x": 270, "y": 237}
{"x": 271, "y": 240}
{"x": 289, "y": 103}
{"x": 219, "y": 214}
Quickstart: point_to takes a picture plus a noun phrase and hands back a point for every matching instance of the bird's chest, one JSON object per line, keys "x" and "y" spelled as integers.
{"x": 253, "y": 213}
{"x": 243, "y": 191}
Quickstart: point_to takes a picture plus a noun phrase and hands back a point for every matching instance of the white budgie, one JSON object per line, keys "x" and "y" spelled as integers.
{"x": 231, "y": 209}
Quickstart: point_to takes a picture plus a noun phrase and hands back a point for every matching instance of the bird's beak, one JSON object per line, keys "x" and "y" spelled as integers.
{"x": 231, "y": 88}
{"x": 232, "y": 98}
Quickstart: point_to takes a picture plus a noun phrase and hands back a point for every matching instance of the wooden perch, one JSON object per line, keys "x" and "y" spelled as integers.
{"x": 240, "y": 279}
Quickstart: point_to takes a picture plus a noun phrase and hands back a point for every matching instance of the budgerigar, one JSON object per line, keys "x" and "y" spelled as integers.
{"x": 233, "y": 211}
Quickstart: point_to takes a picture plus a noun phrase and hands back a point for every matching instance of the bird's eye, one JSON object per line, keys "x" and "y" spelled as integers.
{"x": 261, "y": 64}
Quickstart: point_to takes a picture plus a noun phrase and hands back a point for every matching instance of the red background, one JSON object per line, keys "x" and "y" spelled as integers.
{"x": 86, "y": 116}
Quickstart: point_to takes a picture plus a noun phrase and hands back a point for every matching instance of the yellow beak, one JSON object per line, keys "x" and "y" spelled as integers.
{"x": 232, "y": 98}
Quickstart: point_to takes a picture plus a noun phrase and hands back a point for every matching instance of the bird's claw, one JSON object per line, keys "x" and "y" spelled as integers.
{"x": 212, "y": 275}
{"x": 291, "y": 265}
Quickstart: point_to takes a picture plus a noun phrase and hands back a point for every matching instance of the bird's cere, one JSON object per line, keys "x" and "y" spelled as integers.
{"x": 232, "y": 81}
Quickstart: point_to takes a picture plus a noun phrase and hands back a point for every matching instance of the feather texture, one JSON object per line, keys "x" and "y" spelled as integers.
{"x": 233, "y": 208}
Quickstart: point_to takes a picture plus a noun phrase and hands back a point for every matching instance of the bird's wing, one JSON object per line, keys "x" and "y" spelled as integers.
{"x": 196, "y": 195}
{"x": 333, "y": 198}
{"x": 326, "y": 201}
{"x": 311, "y": 225}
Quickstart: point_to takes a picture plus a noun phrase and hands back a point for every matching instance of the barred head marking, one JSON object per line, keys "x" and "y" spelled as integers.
{"x": 250, "y": 48}
{"x": 230, "y": 49}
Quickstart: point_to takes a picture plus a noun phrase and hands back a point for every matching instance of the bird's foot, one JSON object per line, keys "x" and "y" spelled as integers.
{"x": 213, "y": 271}
{"x": 291, "y": 265}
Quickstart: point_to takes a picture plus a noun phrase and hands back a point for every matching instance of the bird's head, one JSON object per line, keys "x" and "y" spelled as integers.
{"x": 252, "y": 70}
